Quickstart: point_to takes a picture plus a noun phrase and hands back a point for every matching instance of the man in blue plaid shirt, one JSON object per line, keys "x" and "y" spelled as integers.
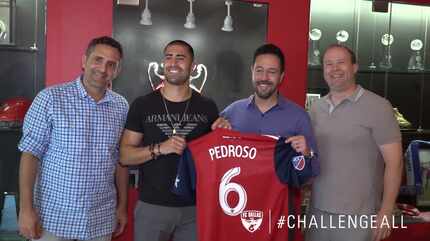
{"x": 69, "y": 163}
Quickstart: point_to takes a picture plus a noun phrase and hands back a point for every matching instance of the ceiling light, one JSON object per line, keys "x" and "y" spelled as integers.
{"x": 228, "y": 21}
{"x": 146, "y": 15}
{"x": 191, "y": 19}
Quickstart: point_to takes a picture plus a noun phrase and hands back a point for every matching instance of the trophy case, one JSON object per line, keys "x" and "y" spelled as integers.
{"x": 392, "y": 53}
{"x": 391, "y": 48}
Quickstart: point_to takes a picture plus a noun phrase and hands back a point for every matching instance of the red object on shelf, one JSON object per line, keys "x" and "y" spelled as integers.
{"x": 12, "y": 111}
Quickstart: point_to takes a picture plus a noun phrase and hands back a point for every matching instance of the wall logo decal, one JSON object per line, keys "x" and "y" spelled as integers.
{"x": 197, "y": 78}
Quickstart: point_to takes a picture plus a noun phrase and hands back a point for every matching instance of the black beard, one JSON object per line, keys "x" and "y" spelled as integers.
{"x": 176, "y": 81}
{"x": 267, "y": 95}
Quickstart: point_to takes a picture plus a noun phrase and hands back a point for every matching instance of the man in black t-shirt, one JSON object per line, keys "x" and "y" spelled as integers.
{"x": 158, "y": 126}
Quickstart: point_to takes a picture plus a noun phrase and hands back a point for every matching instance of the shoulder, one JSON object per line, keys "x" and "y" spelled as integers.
{"x": 237, "y": 104}
{"x": 318, "y": 104}
{"x": 204, "y": 103}
{"x": 57, "y": 91}
{"x": 235, "y": 107}
{"x": 119, "y": 99}
{"x": 373, "y": 100}
{"x": 145, "y": 99}
{"x": 201, "y": 98}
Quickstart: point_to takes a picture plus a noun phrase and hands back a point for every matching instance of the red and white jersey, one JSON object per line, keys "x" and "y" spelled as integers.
{"x": 241, "y": 183}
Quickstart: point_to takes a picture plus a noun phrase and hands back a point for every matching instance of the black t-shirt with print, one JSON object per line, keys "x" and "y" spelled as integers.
{"x": 148, "y": 116}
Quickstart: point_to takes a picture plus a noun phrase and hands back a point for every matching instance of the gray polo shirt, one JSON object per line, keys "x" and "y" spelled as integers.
{"x": 351, "y": 165}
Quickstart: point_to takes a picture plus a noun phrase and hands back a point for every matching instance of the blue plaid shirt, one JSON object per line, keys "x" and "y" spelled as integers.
{"x": 76, "y": 140}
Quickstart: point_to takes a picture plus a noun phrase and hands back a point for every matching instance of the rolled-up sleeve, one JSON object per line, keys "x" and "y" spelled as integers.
{"x": 37, "y": 126}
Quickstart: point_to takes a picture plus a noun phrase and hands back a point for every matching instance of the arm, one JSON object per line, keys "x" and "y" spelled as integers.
{"x": 33, "y": 144}
{"x": 392, "y": 154}
{"x": 29, "y": 223}
{"x": 121, "y": 177}
{"x": 131, "y": 153}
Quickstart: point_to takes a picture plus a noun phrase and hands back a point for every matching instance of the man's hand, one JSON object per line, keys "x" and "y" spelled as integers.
{"x": 121, "y": 217}
{"x": 424, "y": 216}
{"x": 29, "y": 224}
{"x": 298, "y": 143}
{"x": 221, "y": 123}
{"x": 175, "y": 144}
{"x": 382, "y": 232}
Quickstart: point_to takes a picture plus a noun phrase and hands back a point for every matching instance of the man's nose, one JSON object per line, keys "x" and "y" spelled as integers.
{"x": 173, "y": 62}
{"x": 336, "y": 66}
{"x": 102, "y": 67}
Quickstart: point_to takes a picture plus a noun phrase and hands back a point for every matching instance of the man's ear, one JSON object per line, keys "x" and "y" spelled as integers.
{"x": 118, "y": 70}
{"x": 282, "y": 77}
{"x": 355, "y": 68}
{"x": 84, "y": 60}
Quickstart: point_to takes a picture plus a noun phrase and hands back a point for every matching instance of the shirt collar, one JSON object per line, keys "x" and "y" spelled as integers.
{"x": 281, "y": 102}
{"x": 84, "y": 94}
{"x": 354, "y": 97}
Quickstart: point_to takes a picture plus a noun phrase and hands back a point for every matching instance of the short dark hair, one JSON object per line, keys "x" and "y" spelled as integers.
{"x": 270, "y": 49}
{"x": 351, "y": 53}
{"x": 106, "y": 40}
{"x": 183, "y": 43}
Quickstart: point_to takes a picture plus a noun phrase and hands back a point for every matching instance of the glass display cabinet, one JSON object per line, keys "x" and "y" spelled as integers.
{"x": 392, "y": 53}
{"x": 391, "y": 49}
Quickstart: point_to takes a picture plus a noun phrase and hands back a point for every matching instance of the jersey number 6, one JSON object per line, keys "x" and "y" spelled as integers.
{"x": 225, "y": 187}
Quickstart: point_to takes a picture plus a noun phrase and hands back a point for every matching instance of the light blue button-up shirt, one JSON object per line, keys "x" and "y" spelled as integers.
{"x": 76, "y": 140}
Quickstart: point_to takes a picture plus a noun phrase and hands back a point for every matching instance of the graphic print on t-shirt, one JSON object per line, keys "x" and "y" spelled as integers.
{"x": 183, "y": 124}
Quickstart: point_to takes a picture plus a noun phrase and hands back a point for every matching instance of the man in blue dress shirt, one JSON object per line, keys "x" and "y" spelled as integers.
{"x": 71, "y": 185}
{"x": 267, "y": 112}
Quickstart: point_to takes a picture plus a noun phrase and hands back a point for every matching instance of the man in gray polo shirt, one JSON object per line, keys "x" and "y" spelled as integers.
{"x": 360, "y": 154}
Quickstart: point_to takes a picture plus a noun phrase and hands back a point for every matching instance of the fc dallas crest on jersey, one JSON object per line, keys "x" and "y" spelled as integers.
{"x": 251, "y": 220}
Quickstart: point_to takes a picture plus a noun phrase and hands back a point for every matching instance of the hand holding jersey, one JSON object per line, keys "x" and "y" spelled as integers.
{"x": 221, "y": 122}
{"x": 298, "y": 143}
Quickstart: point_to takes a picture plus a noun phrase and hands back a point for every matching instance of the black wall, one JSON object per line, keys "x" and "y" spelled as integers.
{"x": 22, "y": 73}
{"x": 22, "y": 67}
{"x": 227, "y": 55}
